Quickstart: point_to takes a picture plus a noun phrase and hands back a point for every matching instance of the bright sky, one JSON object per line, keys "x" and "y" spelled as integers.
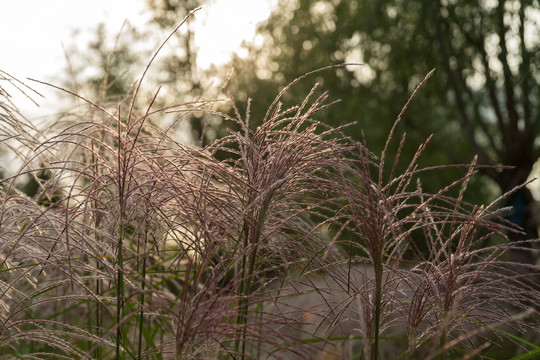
{"x": 34, "y": 32}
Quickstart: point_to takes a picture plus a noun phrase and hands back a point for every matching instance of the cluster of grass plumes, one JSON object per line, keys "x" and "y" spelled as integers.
{"x": 285, "y": 241}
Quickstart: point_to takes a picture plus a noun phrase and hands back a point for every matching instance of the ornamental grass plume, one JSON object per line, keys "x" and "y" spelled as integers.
{"x": 417, "y": 281}
{"x": 276, "y": 172}
{"x": 289, "y": 240}
{"x": 466, "y": 295}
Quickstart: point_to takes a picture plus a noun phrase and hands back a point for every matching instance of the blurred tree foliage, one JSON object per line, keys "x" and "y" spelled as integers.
{"x": 108, "y": 67}
{"x": 105, "y": 69}
{"x": 180, "y": 67}
{"x": 484, "y": 98}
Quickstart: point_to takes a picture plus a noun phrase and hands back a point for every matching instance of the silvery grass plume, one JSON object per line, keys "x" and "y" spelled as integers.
{"x": 418, "y": 282}
{"x": 277, "y": 172}
{"x": 290, "y": 240}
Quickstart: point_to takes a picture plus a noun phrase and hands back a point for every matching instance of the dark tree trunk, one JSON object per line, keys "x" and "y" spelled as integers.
{"x": 523, "y": 210}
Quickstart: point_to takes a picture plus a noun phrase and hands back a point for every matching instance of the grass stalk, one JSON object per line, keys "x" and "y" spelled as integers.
{"x": 308, "y": 187}
{"x": 120, "y": 291}
{"x": 141, "y": 313}
{"x": 248, "y": 272}
{"x": 378, "y": 268}
{"x": 98, "y": 316}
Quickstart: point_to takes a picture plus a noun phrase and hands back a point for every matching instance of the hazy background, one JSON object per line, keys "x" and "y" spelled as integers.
{"x": 37, "y": 36}
{"x": 483, "y": 99}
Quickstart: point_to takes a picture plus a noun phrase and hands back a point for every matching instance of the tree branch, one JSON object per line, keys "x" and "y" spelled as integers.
{"x": 478, "y": 43}
{"x": 513, "y": 116}
{"x": 525, "y": 74}
{"x": 452, "y": 76}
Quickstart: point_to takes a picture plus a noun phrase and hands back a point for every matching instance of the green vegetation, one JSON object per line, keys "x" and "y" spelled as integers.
{"x": 286, "y": 238}
{"x": 484, "y": 100}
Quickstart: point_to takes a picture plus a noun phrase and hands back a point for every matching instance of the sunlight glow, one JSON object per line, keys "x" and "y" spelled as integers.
{"x": 222, "y": 25}
{"x": 36, "y": 32}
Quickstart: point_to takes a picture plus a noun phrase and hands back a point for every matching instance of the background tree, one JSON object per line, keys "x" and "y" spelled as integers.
{"x": 484, "y": 98}
{"x": 117, "y": 60}
{"x": 107, "y": 67}
{"x": 178, "y": 68}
